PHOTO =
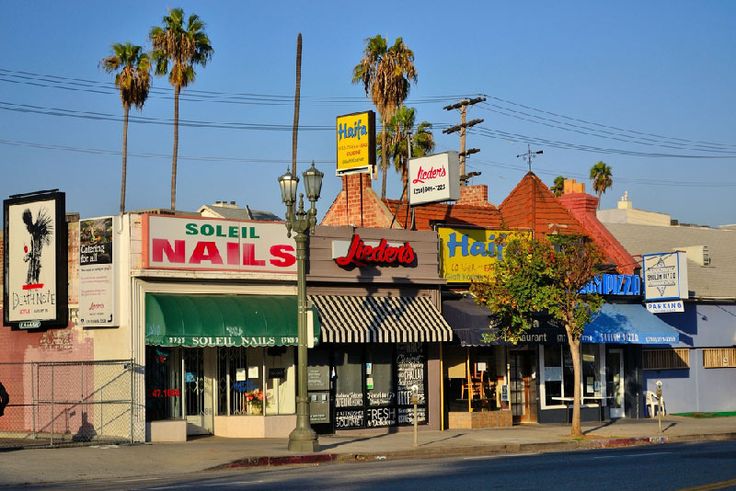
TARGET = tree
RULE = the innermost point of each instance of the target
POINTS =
(133, 79)
(398, 131)
(544, 276)
(386, 74)
(602, 179)
(558, 188)
(183, 47)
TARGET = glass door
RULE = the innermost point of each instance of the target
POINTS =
(615, 382)
(522, 394)
(197, 388)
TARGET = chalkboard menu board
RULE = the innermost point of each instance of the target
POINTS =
(383, 416)
(410, 372)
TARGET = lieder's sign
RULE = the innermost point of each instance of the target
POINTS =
(360, 253)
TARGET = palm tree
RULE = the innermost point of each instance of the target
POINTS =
(386, 74)
(602, 179)
(133, 79)
(183, 47)
(399, 130)
(558, 188)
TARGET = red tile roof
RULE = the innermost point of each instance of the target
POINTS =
(425, 216)
(532, 205)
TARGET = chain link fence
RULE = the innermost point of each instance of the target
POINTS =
(68, 403)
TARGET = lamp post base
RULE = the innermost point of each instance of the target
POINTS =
(303, 440)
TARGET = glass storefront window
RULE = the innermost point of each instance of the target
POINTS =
(559, 375)
(163, 383)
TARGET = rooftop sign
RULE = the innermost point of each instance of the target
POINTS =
(355, 135)
(434, 178)
(665, 276)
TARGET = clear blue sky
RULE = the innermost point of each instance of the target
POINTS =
(647, 87)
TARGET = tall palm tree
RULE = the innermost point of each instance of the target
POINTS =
(133, 78)
(399, 130)
(386, 74)
(558, 187)
(602, 179)
(183, 46)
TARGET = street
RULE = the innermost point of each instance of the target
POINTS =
(708, 465)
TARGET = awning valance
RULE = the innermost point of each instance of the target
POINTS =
(360, 319)
(628, 324)
(223, 320)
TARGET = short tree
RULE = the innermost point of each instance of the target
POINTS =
(544, 276)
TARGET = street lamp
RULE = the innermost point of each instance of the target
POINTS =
(301, 222)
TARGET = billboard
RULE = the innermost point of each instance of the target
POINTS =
(98, 260)
(665, 276)
(468, 254)
(434, 178)
(188, 243)
(35, 261)
(355, 135)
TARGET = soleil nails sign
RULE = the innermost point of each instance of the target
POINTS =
(211, 244)
(434, 178)
(359, 253)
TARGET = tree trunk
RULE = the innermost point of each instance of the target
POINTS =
(124, 172)
(384, 164)
(177, 90)
(574, 344)
(295, 126)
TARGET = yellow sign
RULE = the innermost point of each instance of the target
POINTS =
(356, 142)
(468, 254)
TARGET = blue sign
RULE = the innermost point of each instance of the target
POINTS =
(614, 284)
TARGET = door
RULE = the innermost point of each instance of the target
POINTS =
(523, 392)
(198, 397)
(615, 382)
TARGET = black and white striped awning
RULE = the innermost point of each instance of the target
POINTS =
(353, 319)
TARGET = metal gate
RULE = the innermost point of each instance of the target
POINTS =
(64, 403)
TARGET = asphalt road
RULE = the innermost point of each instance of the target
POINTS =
(693, 466)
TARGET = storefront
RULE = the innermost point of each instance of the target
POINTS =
(216, 309)
(377, 293)
(539, 368)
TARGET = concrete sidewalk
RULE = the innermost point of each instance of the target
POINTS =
(103, 462)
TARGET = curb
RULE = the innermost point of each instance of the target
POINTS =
(466, 451)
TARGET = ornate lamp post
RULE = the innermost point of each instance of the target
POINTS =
(301, 222)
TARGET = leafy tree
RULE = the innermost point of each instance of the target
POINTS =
(181, 46)
(544, 276)
(558, 188)
(602, 179)
(132, 67)
(386, 74)
(398, 130)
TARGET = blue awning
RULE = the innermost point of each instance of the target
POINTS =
(628, 324)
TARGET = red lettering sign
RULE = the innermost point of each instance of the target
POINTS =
(361, 254)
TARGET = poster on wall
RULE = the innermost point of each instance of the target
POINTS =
(98, 306)
(468, 253)
(35, 261)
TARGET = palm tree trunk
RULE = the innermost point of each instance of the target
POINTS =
(295, 127)
(384, 164)
(124, 173)
(576, 429)
(177, 90)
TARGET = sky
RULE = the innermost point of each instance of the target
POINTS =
(646, 87)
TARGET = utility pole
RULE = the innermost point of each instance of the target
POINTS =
(529, 155)
(462, 127)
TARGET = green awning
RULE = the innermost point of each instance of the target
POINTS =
(223, 320)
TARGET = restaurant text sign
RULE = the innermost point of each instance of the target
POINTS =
(360, 253)
(468, 254)
(434, 178)
(212, 244)
(355, 136)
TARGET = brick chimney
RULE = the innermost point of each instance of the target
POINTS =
(476, 195)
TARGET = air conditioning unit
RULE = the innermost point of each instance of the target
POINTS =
(699, 254)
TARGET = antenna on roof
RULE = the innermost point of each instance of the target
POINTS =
(529, 155)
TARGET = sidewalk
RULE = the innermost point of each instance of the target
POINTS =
(103, 462)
